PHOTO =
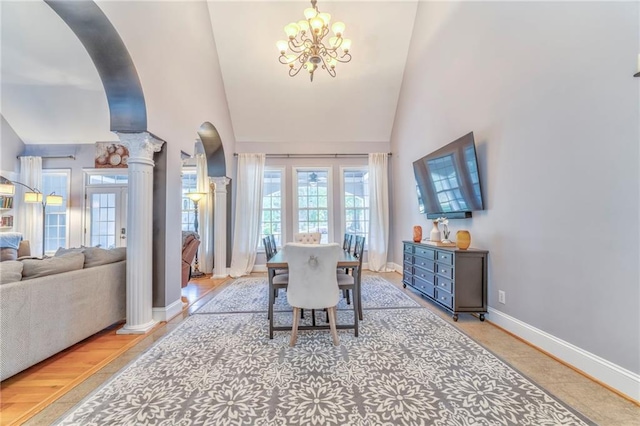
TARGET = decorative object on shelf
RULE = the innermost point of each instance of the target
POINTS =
(111, 155)
(434, 235)
(306, 46)
(445, 229)
(417, 234)
(463, 239)
(196, 197)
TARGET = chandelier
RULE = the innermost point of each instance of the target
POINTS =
(306, 46)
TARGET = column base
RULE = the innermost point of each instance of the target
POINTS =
(137, 329)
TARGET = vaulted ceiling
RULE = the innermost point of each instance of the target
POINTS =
(52, 93)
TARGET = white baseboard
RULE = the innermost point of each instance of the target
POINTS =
(168, 312)
(605, 371)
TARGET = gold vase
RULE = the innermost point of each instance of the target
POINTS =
(463, 239)
(417, 234)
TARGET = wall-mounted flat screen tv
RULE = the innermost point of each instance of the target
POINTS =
(448, 182)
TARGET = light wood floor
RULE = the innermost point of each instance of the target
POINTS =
(583, 394)
(27, 393)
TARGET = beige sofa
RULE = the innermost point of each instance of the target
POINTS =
(41, 316)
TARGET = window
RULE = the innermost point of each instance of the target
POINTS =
(189, 184)
(355, 184)
(313, 199)
(55, 220)
(272, 206)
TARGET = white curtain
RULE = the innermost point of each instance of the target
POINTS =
(248, 210)
(205, 216)
(29, 215)
(378, 211)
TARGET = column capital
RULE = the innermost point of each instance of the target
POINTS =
(220, 183)
(141, 146)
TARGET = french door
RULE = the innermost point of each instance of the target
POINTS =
(106, 216)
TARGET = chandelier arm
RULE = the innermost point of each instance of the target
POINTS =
(331, 71)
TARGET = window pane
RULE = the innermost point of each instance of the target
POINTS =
(356, 201)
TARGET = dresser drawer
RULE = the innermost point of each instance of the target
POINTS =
(444, 298)
(408, 268)
(424, 253)
(444, 270)
(445, 257)
(423, 275)
(424, 263)
(444, 284)
(423, 286)
(408, 258)
(408, 248)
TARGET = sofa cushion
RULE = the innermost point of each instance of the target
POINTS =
(10, 271)
(34, 268)
(96, 256)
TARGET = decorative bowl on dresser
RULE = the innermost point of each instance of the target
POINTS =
(455, 279)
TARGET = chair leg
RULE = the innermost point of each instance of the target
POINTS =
(294, 328)
(332, 324)
(348, 296)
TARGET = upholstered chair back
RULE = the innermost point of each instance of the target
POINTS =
(312, 275)
(307, 238)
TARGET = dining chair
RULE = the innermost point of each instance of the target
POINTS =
(308, 237)
(348, 282)
(312, 282)
(347, 241)
(272, 240)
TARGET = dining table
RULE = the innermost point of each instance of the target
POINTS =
(346, 260)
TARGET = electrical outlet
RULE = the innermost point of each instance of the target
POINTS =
(502, 297)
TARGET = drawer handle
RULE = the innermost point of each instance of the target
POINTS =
(442, 284)
(422, 275)
(422, 263)
(443, 257)
(442, 298)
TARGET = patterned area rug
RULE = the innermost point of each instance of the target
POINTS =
(408, 367)
(251, 295)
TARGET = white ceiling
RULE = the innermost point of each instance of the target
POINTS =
(51, 92)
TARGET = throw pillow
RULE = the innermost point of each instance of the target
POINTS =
(34, 268)
(96, 256)
(62, 251)
(10, 271)
(8, 253)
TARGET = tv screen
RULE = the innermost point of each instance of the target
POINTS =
(448, 182)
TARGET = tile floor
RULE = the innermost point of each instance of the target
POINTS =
(604, 407)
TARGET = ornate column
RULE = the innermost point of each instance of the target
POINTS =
(141, 147)
(220, 226)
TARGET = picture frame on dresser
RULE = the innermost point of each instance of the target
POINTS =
(454, 279)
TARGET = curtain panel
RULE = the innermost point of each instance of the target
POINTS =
(250, 174)
(205, 215)
(29, 215)
(379, 211)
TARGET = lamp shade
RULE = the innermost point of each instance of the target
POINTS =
(32, 197)
(54, 200)
(7, 189)
(195, 196)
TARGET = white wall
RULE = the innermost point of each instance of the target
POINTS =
(547, 88)
(10, 147)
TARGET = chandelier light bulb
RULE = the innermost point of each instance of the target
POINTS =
(332, 63)
(304, 25)
(326, 18)
(338, 28)
(346, 44)
(310, 12)
(316, 24)
(292, 30)
(282, 46)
